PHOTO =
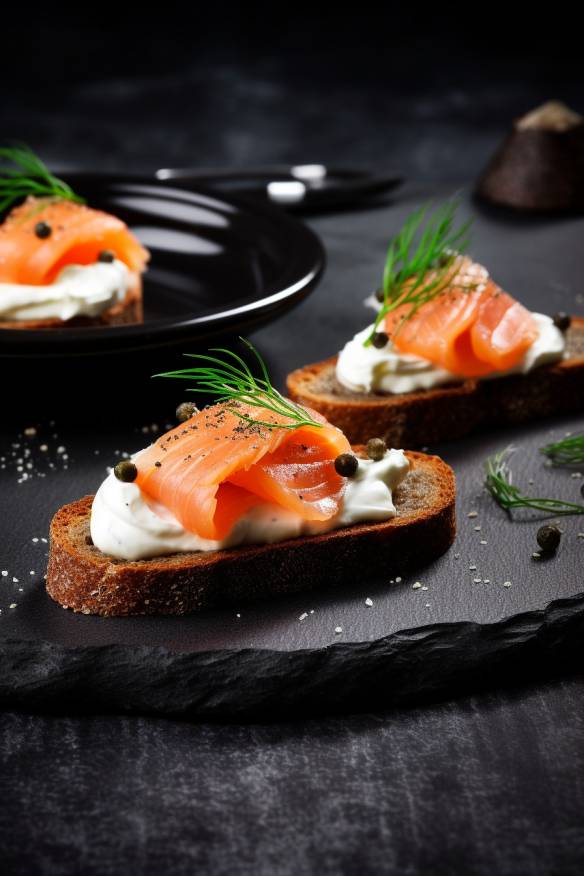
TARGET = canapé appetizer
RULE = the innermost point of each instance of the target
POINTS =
(448, 351)
(62, 263)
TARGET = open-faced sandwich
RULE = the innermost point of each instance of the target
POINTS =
(251, 496)
(62, 263)
(448, 351)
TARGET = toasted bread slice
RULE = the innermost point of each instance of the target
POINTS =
(414, 419)
(82, 578)
(125, 312)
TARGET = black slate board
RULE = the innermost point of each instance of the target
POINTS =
(261, 658)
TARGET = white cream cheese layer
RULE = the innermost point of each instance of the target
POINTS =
(125, 526)
(368, 369)
(78, 290)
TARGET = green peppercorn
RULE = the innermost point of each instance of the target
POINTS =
(548, 538)
(185, 411)
(43, 230)
(380, 295)
(562, 320)
(379, 340)
(376, 448)
(106, 255)
(346, 465)
(126, 471)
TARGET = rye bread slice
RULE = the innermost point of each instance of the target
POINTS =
(126, 312)
(82, 578)
(448, 412)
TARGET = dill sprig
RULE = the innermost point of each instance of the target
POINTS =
(498, 481)
(233, 383)
(569, 451)
(421, 261)
(22, 173)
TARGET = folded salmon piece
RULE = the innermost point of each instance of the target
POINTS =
(472, 329)
(77, 236)
(210, 470)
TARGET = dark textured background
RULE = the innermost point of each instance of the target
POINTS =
(492, 784)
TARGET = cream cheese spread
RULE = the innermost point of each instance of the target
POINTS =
(78, 290)
(126, 526)
(368, 369)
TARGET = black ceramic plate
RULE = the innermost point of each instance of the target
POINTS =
(217, 265)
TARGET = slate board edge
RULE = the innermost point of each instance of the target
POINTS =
(402, 668)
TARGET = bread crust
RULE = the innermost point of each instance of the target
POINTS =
(80, 577)
(449, 412)
(125, 312)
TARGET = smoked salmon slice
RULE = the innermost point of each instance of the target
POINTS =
(77, 235)
(216, 466)
(471, 329)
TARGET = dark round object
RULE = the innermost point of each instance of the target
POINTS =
(219, 266)
(126, 471)
(43, 230)
(376, 448)
(562, 320)
(380, 340)
(185, 411)
(582, 490)
(346, 465)
(380, 295)
(548, 538)
(106, 255)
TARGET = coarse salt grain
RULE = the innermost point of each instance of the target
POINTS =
(483, 541)
(338, 630)
(473, 514)
(398, 580)
(416, 585)
(30, 432)
(303, 616)
(369, 601)
(506, 583)
(12, 605)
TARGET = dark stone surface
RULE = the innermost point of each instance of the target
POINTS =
(491, 784)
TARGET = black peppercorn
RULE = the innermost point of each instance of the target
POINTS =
(106, 255)
(548, 538)
(185, 411)
(43, 230)
(379, 340)
(346, 465)
(376, 448)
(562, 321)
(126, 471)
